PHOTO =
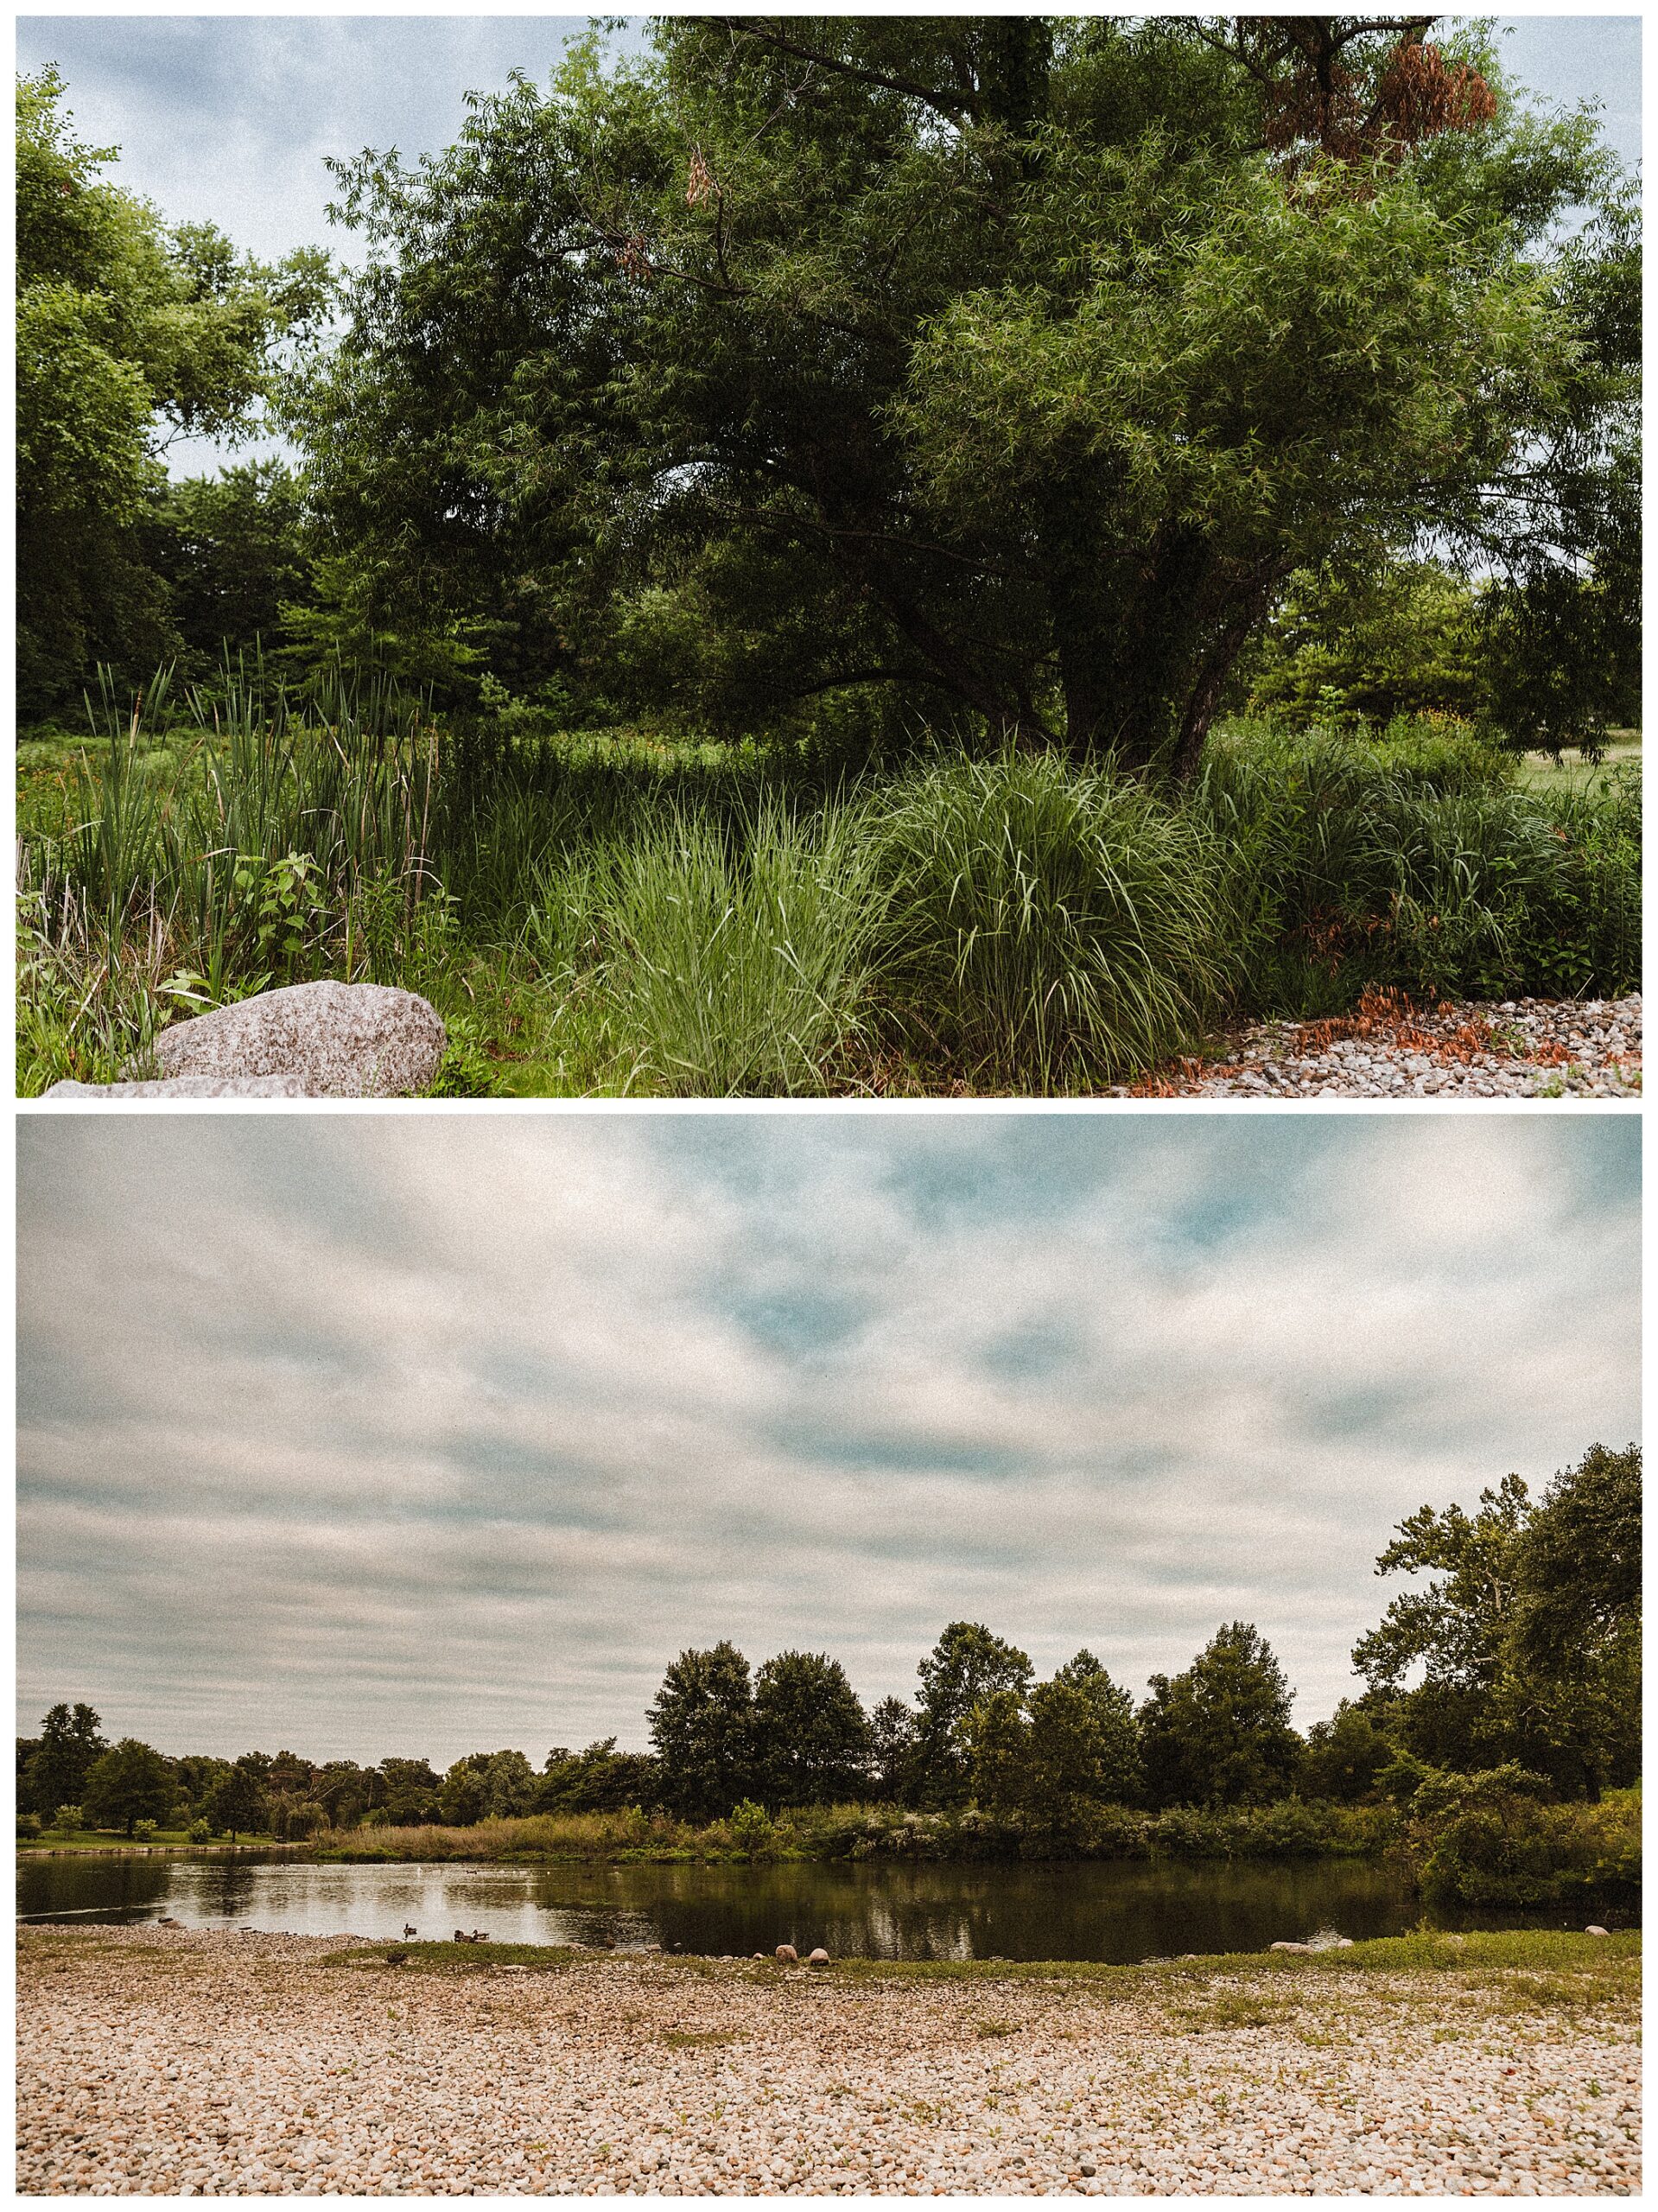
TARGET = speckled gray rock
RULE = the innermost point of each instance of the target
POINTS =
(187, 1086)
(334, 1040)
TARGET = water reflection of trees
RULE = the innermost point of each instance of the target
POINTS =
(1118, 1911)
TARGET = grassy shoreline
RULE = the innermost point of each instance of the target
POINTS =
(1601, 1959)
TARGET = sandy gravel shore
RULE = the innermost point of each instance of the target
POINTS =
(159, 2063)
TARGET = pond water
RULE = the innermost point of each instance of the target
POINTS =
(1107, 1910)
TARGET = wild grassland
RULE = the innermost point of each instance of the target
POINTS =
(603, 912)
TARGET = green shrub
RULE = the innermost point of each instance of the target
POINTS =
(1417, 859)
(28, 1826)
(68, 1820)
(145, 1831)
(1496, 1838)
(199, 1831)
(1047, 925)
(752, 1829)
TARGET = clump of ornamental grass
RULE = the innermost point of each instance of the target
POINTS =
(1048, 926)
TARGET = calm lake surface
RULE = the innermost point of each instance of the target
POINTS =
(1114, 1911)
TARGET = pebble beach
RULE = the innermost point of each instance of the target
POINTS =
(162, 2061)
(1523, 1048)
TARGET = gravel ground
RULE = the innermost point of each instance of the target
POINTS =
(1524, 1048)
(154, 2062)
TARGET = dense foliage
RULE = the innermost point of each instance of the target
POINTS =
(608, 914)
(129, 331)
(1525, 1647)
(1011, 366)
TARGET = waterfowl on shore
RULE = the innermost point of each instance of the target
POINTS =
(408, 1930)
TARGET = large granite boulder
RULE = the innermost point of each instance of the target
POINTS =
(187, 1086)
(336, 1040)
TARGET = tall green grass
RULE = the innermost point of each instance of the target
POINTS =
(606, 913)
(1429, 864)
(1047, 926)
(730, 958)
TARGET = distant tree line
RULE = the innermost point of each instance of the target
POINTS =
(1518, 1648)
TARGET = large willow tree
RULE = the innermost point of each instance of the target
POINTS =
(1011, 362)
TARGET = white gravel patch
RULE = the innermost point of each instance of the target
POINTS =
(1523, 1048)
(250, 2065)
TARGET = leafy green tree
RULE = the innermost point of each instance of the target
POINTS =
(1525, 1648)
(1450, 1633)
(1119, 1775)
(463, 1794)
(232, 551)
(63, 1756)
(130, 1783)
(1010, 364)
(965, 1669)
(1579, 1579)
(1048, 1760)
(195, 1774)
(893, 1736)
(511, 1782)
(407, 1793)
(236, 1803)
(1220, 1734)
(344, 1791)
(998, 1754)
(128, 332)
(1346, 1755)
(811, 1736)
(600, 1779)
(1560, 624)
(702, 1730)
(1400, 638)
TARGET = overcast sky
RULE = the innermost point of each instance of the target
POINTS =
(229, 118)
(422, 1435)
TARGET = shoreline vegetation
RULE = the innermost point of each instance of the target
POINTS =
(1550, 1854)
(1502, 2064)
(1563, 1852)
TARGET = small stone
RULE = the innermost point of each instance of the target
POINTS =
(787, 1953)
(818, 1958)
(1595, 1929)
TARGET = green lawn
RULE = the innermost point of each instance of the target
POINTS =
(1572, 773)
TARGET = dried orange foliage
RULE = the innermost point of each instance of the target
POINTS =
(1386, 1015)
(1171, 1079)
(699, 185)
(1383, 1016)
(1320, 103)
(1420, 97)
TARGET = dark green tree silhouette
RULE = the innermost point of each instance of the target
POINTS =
(703, 1729)
(1220, 1734)
(810, 1735)
(130, 1783)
